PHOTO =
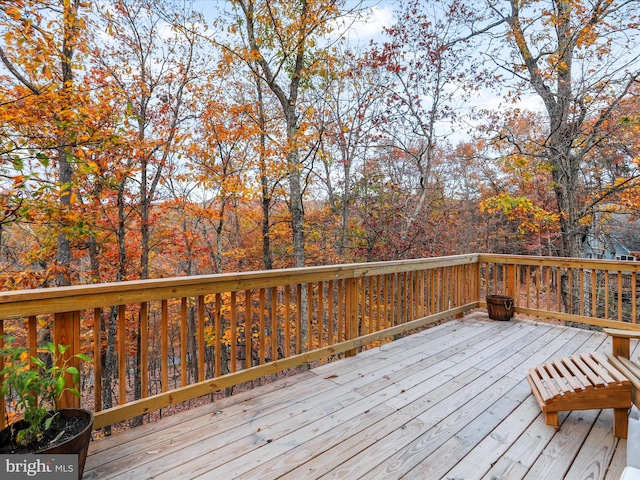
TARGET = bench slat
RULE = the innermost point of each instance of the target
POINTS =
(593, 378)
(548, 382)
(540, 390)
(558, 378)
(597, 369)
(567, 375)
(577, 372)
(614, 372)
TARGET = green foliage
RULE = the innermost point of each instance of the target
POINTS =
(36, 386)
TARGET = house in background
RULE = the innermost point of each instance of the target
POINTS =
(613, 236)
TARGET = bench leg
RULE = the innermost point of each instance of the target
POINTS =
(620, 422)
(551, 418)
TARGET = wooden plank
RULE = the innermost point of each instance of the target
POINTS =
(521, 454)
(321, 401)
(623, 365)
(579, 374)
(450, 453)
(591, 375)
(615, 374)
(618, 461)
(557, 456)
(557, 377)
(398, 402)
(565, 373)
(492, 447)
(554, 389)
(597, 368)
(538, 388)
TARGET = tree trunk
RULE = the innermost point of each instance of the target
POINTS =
(264, 182)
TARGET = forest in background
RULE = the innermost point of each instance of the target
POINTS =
(149, 139)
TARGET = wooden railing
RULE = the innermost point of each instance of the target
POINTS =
(601, 293)
(155, 343)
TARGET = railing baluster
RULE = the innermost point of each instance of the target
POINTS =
(309, 316)
(287, 320)
(32, 322)
(321, 330)
(144, 349)
(378, 303)
(274, 324)
(369, 317)
(263, 332)
(164, 345)
(351, 312)
(392, 299)
(201, 347)
(2, 405)
(581, 281)
(184, 374)
(606, 294)
(634, 300)
(234, 333)
(619, 296)
(248, 337)
(330, 320)
(122, 354)
(299, 318)
(97, 359)
(341, 328)
(594, 292)
(218, 335)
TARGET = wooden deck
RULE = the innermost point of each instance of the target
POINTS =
(450, 402)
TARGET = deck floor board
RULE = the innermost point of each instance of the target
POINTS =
(449, 402)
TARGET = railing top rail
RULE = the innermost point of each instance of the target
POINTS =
(611, 265)
(22, 303)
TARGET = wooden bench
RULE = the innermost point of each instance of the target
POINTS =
(581, 382)
(620, 358)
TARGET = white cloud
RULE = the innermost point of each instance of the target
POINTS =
(372, 25)
(367, 24)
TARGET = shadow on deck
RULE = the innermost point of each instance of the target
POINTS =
(449, 402)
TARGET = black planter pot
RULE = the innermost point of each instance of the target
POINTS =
(76, 445)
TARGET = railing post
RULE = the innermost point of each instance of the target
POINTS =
(351, 309)
(66, 331)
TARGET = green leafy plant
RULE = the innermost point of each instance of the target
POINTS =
(35, 386)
